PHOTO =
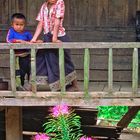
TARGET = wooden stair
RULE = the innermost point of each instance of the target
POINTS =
(33, 119)
(89, 127)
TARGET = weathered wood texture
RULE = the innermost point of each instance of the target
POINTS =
(85, 20)
(13, 118)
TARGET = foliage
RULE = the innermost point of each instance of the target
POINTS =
(63, 124)
(116, 113)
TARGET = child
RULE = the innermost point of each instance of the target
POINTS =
(17, 34)
(50, 18)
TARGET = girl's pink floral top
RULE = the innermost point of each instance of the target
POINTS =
(48, 17)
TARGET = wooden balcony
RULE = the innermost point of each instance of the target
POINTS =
(93, 93)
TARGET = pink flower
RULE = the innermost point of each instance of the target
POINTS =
(86, 138)
(60, 110)
(41, 137)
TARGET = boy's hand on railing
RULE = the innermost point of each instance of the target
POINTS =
(20, 41)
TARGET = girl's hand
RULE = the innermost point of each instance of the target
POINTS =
(39, 41)
(33, 41)
(56, 41)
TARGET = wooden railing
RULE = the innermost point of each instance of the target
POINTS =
(84, 98)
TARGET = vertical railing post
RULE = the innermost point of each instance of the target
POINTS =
(12, 71)
(135, 71)
(110, 71)
(33, 70)
(62, 70)
(86, 72)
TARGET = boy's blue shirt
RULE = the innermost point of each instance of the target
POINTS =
(13, 35)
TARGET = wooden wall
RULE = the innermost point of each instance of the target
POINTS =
(85, 20)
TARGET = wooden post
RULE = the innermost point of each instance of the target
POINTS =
(62, 70)
(12, 71)
(33, 70)
(13, 117)
(86, 72)
(127, 118)
(138, 4)
(135, 71)
(110, 71)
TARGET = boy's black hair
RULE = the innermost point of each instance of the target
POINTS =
(18, 15)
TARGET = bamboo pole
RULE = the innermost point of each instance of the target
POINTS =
(33, 70)
(86, 72)
(62, 70)
(12, 71)
(135, 71)
(110, 71)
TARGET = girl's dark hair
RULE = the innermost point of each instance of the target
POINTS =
(18, 15)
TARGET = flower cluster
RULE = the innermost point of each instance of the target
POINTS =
(60, 110)
(86, 138)
(64, 123)
(41, 137)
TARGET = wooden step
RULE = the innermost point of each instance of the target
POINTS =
(88, 115)
(112, 133)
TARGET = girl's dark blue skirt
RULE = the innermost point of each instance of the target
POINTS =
(48, 65)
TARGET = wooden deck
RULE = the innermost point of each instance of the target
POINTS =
(98, 95)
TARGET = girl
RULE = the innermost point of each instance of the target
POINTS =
(50, 19)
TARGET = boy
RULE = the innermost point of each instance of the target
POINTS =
(18, 34)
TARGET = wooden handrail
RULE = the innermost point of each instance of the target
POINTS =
(72, 45)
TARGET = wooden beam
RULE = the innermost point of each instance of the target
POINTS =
(46, 94)
(92, 102)
(73, 45)
(128, 117)
(13, 123)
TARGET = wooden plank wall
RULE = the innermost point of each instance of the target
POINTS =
(85, 20)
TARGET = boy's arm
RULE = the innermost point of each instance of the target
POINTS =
(10, 37)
